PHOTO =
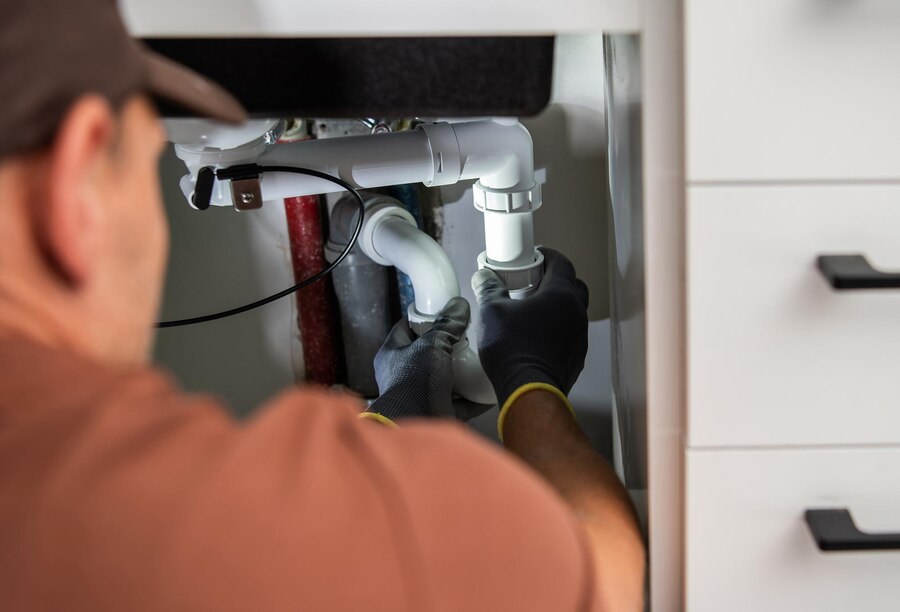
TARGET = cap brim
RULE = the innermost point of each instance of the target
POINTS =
(187, 89)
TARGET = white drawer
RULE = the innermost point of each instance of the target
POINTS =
(775, 356)
(748, 546)
(792, 89)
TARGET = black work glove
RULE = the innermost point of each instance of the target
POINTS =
(415, 375)
(540, 339)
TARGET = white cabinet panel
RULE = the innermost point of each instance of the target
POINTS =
(792, 89)
(775, 355)
(749, 548)
(255, 18)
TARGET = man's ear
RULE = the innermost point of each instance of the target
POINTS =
(70, 217)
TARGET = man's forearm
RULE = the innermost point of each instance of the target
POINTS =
(539, 429)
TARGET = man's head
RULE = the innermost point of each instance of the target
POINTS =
(83, 238)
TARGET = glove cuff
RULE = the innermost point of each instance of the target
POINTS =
(380, 418)
(535, 386)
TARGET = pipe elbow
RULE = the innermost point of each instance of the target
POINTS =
(391, 237)
(500, 155)
(516, 171)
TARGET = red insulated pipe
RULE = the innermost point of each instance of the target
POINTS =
(315, 317)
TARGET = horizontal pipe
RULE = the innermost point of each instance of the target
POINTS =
(367, 161)
(500, 155)
(497, 152)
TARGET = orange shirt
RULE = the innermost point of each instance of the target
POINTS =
(119, 492)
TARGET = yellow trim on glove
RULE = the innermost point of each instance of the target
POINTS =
(374, 416)
(522, 391)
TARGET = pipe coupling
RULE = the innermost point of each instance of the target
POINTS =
(445, 154)
(521, 281)
(505, 201)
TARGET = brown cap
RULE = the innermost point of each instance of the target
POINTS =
(53, 51)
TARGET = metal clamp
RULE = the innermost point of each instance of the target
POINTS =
(245, 186)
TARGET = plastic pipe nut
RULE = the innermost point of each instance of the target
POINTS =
(505, 201)
(519, 280)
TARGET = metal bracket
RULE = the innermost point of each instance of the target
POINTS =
(245, 190)
(246, 194)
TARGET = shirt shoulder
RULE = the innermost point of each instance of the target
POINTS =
(428, 515)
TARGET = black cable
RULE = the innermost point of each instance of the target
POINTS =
(225, 174)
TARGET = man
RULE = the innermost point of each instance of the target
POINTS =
(119, 492)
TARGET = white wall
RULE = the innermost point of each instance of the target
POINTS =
(221, 258)
(218, 259)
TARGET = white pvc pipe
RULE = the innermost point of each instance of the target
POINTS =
(509, 238)
(469, 379)
(499, 154)
(417, 255)
(397, 241)
(363, 161)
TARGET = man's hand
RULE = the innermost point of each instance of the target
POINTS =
(415, 375)
(541, 339)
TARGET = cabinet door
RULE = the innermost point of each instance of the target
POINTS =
(776, 356)
(792, 89)
(749, 547)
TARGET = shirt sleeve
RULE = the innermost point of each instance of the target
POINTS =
(308, 504)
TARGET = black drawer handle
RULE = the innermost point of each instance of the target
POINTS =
(855, 272)
(834, 529)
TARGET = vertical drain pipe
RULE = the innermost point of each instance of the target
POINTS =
(361, 287)
(499, 153)
(314, 313)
